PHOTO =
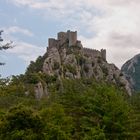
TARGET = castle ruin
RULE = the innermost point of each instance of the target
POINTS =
(70, 37)
(63, 37)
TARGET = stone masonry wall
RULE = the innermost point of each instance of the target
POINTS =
(71, 37)
(62, 37)
(52, 42)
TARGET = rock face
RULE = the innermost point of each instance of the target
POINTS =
(67, 58)
(132, 71)
(40, 91)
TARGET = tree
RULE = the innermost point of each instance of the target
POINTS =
(58, 126)
(21, 123)
(99, 111)
(4, 46)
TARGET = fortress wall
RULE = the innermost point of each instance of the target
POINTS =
(52, 42)
(92, 52)
(72, 38)
(62, 37)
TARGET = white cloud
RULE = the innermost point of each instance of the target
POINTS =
(23, 50)
(27, 51)
(114, 24)
(16, 29)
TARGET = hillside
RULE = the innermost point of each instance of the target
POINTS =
(67, 58)
(70, 93)
(131, 69)
(82, 110)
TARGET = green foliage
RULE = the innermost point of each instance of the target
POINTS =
(95, 133)
(58, 124)
(4, 46)
(135, 117)
(105, 71)
(56, 65)
(21, 123)
(80, 60)
(94, 106)
(37, 65)
(82, 110)
(70, 68)
(50, 78)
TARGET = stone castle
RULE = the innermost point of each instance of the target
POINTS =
(70, 37)
(67, 58)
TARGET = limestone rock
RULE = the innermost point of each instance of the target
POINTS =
(131, 69)
(67, 58)
(40, 91)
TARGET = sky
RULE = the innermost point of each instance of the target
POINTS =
(109, 24)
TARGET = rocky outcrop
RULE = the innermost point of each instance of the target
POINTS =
(40, 91)
(67, 58)
(131, 70)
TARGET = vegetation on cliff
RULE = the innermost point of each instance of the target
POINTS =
(70, 93)
(78, 109)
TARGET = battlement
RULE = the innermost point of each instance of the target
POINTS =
(95, 53)
(71, 38)
(52, 42)
(62, 37)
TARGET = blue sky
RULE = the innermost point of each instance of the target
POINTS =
(109, 24)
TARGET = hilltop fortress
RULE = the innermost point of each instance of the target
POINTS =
(70, 38)
(67, 58)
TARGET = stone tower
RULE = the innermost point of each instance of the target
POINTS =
(72, 37)
(63, 37)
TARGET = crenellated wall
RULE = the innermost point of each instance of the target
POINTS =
(52, 42)
(62, 37)
(92, 52)
(71, 38)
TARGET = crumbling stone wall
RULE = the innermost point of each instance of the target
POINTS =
(52, 43)
(71, 38)
(62, 37)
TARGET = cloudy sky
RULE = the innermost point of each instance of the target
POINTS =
(110, 24)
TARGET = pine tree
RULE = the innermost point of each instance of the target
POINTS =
(4, 46)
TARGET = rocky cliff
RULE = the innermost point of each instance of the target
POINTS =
(67, 58)
(132, 71)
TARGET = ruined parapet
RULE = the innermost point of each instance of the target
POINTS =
(62, 37)
(103, 54)
(95, 53)
(92, 52)
(52, 43)
(72, 37)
